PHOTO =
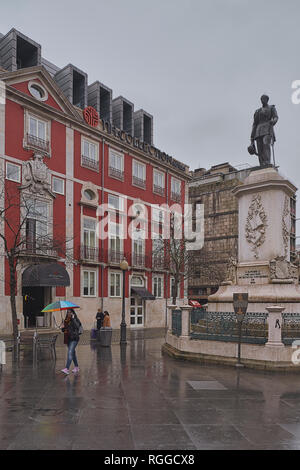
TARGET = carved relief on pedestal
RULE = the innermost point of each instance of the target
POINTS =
(256, 224)
(36, 176)
(286, 225)
(281, 269)
(231, 272)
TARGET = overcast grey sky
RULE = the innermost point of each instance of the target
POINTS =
(199, 66)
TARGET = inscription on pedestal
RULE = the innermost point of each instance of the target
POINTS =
(253, 276)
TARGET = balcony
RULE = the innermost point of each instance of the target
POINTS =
(116, 173)
(158, 263)
(36, 143)
(138, 261)
(138, 182)
(158, 190)
(175, 196)
(90, 254)
(38, 249)
(89, 163)
(115, 257)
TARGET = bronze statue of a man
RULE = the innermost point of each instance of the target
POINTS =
(262, 133)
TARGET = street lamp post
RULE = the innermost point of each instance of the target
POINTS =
(240, 304)
(124, 267)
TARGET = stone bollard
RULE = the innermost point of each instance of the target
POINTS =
(275, 325)
(185, 320)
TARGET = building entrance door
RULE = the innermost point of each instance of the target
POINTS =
(34, 300)
(136, 311)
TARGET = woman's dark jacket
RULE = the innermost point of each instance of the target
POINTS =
(71, 330)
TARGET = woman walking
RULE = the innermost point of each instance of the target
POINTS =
(71, 331)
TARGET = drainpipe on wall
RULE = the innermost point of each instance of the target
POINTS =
(167, 274)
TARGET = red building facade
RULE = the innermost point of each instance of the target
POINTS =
(64, 159)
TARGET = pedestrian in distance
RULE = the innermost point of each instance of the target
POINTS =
(106, 320)
(72, 329)
(99, 318)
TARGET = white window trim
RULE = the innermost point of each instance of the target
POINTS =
(119, 154)
(179, 182)
(90, 141)
(162, 286)
(83, 229)
(19, 173)
(96, 283)
(163, 176)
(121, 202)
(27, 115)
(109, 285)
(63, 182)
(39, 85)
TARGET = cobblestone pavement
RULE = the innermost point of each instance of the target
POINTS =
(138, 399)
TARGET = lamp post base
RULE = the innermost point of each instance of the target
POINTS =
(123, 334)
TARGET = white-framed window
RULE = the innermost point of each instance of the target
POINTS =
(89, 232)
(115, 237)
(58, 185)
(158, 287)
(116, 164)
(138, 174)
(115, 202)
(89, 283)
(37, 133)
(137, 281)
(89, 149)
(89, 154)
(13, 172)
(37, 128)
(38, 227)
(115, 282)
(158, 182)
(175, 186)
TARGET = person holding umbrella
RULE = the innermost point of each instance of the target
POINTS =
(72, 329)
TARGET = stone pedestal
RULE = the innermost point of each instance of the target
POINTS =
(275, 325)
(263, 268)
(185, 320)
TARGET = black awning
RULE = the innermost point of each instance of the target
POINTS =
(45, 275)
(142, 292)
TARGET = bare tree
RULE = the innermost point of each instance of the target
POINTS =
(25, 231)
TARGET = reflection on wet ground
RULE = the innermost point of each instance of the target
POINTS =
(135, 398)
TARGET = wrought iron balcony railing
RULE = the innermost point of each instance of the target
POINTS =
(138, 182)
(38, 248)
(90, 253)
(116, 173)
(89, 163)
(37, 143)
(138, 261)
(115, 257)
(158, 262)
(158, 190)
(175, 196)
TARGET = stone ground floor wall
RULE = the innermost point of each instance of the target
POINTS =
(154, 312)
(223, 352)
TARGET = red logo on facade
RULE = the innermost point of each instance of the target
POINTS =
(91, 116)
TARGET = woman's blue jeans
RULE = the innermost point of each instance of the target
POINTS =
(72, 354)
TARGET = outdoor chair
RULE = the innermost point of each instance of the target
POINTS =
(43, 342)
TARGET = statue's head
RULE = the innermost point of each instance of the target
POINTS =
(264, 99)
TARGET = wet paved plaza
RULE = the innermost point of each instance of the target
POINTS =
(139, 399)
